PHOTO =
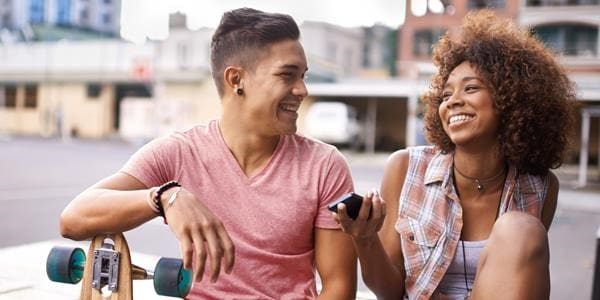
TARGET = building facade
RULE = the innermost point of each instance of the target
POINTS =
(102, 16)
(569, 27)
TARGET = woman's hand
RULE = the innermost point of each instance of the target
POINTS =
(369, 220)
(199, 233)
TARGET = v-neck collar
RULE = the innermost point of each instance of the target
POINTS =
(235, 166)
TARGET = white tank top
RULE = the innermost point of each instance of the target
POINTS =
(453, 283)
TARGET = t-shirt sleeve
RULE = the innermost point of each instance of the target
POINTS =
(336, 181)
(155, 163)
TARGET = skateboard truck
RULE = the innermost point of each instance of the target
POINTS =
(106, 268)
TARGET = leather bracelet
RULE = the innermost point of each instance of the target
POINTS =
(161, 189)
(150, 200)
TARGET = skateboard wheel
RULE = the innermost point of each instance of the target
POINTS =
(65, 264)
(171, 279)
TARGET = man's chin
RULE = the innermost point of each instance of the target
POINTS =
(289, 130)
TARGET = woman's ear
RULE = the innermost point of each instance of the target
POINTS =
(234, 80)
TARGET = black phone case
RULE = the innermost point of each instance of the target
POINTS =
(352, 201)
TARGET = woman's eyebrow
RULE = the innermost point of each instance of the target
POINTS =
(464, 79)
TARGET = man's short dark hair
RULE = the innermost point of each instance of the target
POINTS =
(242, 34)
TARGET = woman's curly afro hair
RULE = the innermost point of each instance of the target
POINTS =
(531, 91)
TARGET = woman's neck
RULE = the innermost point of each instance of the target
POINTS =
(478, 173)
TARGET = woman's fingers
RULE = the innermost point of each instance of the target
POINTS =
(365, 208)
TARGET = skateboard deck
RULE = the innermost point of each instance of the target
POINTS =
(107, 273)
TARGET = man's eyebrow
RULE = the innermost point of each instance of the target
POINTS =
(291, 66)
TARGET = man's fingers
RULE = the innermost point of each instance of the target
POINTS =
(200, 251)
(215, 250)
(228, 248)
(186, 252)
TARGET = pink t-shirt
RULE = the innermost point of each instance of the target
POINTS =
(270, 217)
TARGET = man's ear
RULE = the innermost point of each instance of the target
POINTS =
(233, 79)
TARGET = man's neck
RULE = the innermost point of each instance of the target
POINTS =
(251, 150)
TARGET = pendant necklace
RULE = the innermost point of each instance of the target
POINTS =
(479, 182)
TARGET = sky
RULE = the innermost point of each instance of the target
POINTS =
(149, 18)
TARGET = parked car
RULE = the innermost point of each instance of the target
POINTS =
(334, 123)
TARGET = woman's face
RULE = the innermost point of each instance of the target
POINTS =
(275, 89)
(467, 110)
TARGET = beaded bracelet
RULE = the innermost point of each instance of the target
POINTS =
(161, 189)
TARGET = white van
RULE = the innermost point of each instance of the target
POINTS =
(333, 123)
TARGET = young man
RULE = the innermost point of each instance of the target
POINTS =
(245, 186)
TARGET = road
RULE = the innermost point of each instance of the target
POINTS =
(39, 177)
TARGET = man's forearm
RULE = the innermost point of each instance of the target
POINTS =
(104, 211)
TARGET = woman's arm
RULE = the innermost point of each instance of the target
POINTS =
(550, 201)
(380, 255)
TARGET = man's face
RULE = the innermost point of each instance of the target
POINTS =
(275, 89)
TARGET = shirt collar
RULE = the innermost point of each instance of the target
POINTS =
(439, 168)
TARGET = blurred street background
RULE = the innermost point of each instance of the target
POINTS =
(84, 83)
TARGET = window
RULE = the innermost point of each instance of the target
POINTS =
(423, 41)
(36, 11)
(93, 90)
(570, 39)
(6, 21)
(561, 2)
(478, 4)
(10, 96)
(183, 59)
(31, 94)
(64, 9)
(106, 19)
(83, 15)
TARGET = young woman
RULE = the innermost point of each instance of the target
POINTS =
(468, 216)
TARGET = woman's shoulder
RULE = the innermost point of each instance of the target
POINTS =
(418, 153)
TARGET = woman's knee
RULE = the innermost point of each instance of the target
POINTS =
(522, 234)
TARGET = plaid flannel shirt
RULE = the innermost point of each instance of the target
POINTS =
(430, 216)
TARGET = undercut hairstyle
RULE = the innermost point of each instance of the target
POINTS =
(531, 92)
(243, 36)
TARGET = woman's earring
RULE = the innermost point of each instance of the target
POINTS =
(239, 91)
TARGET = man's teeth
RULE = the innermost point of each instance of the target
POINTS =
(460, 118)
(293, 108)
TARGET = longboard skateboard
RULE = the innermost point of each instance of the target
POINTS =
(108, 272)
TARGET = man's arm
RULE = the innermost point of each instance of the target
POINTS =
(336, 263)
(120, 203)
(115, 204)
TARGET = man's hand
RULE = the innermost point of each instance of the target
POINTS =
(200, 233)
(365, 226)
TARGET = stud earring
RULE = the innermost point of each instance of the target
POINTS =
(239, 91)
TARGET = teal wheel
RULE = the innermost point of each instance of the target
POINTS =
(171, 279)
(65, 264)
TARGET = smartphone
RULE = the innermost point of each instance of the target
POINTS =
(352, 201)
